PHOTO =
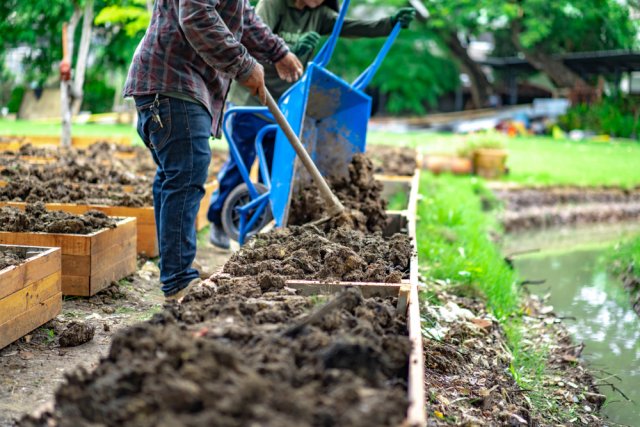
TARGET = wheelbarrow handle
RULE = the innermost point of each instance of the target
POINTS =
(324, 55)
(365, 78)
(334, 207)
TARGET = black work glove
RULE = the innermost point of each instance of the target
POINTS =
(404, 16)
(307, 43)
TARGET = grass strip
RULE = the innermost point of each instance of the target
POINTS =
(455, 245)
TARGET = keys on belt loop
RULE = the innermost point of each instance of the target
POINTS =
(155, 111)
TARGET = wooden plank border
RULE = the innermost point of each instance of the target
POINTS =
(30, 293)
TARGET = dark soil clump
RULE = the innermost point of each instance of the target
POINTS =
(76, 333)
(10, 258)
(340, 254)
(359, 192)
(36, 218)
(221, 358)
(389, 160)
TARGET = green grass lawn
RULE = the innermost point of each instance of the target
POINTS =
(540, 160)
(28, 127)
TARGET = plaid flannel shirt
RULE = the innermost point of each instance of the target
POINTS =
(196, 47)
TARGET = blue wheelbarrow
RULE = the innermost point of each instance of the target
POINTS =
(327, 114)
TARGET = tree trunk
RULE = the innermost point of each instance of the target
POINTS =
(83, 55)
(150, 5)
(481, 88)
(561, 75)
(66, 97)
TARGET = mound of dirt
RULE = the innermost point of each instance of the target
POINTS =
(30, 189)
(310, 253)
(10, 258)
(389, 160)
(223, 357)
(358, 192)
(523, 198)
(103, 173)
(36, 218)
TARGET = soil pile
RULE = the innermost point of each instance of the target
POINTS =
(222, 357)
(359, 191)
(36, 218)
(103, 173)
(523, 198)
(10, 258)
(531, 208)
(309, 253)
(389, 160)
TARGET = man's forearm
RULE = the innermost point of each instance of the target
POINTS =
(258, 38)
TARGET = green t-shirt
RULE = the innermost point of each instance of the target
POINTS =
(291, 23)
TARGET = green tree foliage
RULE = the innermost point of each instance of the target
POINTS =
(37, 24)
(415, 73)
(121, 23)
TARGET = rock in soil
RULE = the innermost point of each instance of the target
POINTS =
(9, 258)
(310, 253)
(390, 160)
(36, 218)
(221, 358)
(76, 333)
(359, 192)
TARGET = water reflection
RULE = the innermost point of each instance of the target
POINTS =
(604, 320)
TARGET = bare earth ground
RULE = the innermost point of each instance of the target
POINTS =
(32, 367)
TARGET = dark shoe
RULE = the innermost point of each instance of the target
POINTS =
(182, 292)
(218, 237)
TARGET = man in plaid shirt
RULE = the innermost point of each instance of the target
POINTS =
(179, 78)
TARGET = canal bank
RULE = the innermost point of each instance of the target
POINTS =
(568, 271)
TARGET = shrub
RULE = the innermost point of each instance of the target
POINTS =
(612, 116)
(98, 95)
(15, 99)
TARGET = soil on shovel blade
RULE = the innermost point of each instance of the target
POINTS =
(227, 356)
(9, 258)
(36, 218)
(360, 193)
(309, 253)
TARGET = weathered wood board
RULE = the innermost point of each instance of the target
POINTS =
(30, 293)
(90, 262)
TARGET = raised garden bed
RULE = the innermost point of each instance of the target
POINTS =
(146, 237)
(30, 289)
(104, 177)
(90, 262)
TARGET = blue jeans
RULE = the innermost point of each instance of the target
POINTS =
(179, 144)
(244, 128)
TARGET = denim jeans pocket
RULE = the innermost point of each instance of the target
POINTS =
(160, 127)
(157, 122)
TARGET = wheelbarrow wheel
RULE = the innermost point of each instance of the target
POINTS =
(231, 217)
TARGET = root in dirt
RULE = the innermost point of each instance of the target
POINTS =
(309, 253)
(36, 218)
(221, 358)
(360, 193)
